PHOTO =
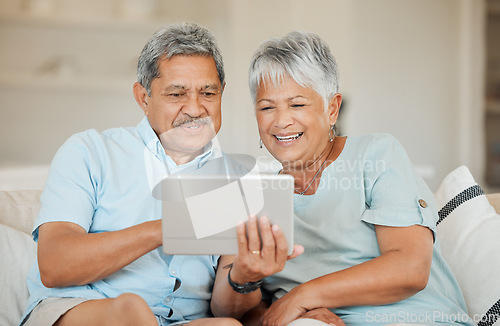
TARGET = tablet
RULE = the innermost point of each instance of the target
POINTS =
(200, 212)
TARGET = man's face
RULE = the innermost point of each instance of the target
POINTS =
(184, 108)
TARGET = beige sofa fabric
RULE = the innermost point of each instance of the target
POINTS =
(495, 201)
(18, 209)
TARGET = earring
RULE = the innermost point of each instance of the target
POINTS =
(260, 142)
(331, 133)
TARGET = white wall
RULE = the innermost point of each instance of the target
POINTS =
(412, 68)
(406, 68)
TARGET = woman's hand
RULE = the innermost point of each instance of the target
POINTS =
(286, 309)
(289, 307)
(260, 256)
(324, 315)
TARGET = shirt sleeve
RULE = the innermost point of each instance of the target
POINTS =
(395, 194)
(70, 191)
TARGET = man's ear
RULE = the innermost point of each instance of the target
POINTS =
(334, 108)
(141, 96)
(222, 88)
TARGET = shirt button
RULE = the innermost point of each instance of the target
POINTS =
(173, 272)
(167, 299)
(422, 203)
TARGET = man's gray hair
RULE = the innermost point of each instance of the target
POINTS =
(303, 56)
(182, 39)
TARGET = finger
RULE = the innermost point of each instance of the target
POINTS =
(242, 240)
(267, 238)
(297, 251)
(265, 317)
(281, 245)
(253, 234)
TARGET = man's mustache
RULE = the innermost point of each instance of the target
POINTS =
(201, 121)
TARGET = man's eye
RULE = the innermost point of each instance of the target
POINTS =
(175, 94)
(265, 108)
(208, 94)
(298, 105)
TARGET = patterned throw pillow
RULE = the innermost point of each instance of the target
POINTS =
(469, 229)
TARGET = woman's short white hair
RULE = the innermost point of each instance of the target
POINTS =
(303, 56)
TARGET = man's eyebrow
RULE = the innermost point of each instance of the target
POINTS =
(210, 87)
(176, 87)
(173, 88)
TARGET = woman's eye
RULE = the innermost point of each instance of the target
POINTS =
(298, 105)
(265, 108)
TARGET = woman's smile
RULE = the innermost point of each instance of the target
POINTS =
(288, 138)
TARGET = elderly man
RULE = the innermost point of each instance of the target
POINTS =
(99, 230)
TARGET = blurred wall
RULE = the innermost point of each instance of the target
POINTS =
(412, 68)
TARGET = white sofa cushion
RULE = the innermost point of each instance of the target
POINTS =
(17, 253)
(468, 230)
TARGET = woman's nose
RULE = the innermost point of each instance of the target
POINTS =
(284, 118)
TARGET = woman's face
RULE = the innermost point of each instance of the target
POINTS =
(293, 123)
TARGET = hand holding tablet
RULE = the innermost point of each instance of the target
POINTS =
(262, 251)
(201, 212)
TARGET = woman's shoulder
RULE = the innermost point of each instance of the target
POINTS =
(373, 143)
(373, 139)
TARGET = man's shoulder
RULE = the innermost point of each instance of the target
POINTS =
(92, 143)
(93, 136)
(375, 148)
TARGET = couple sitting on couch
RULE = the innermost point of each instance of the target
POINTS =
(367, 249)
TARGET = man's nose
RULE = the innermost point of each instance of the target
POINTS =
(193, 106)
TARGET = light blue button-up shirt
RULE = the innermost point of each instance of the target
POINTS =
(372, 182)
(103, 182)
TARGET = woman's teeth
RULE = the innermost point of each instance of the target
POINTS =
(289, 138)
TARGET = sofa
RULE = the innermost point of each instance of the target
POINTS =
(468, 230)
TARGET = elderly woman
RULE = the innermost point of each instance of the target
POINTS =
(366, 220)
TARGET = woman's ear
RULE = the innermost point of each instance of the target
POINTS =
(334, 108)
(141, 96)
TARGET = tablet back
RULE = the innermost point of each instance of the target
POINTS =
(200, 212)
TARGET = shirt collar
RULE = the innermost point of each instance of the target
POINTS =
(148, 135)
